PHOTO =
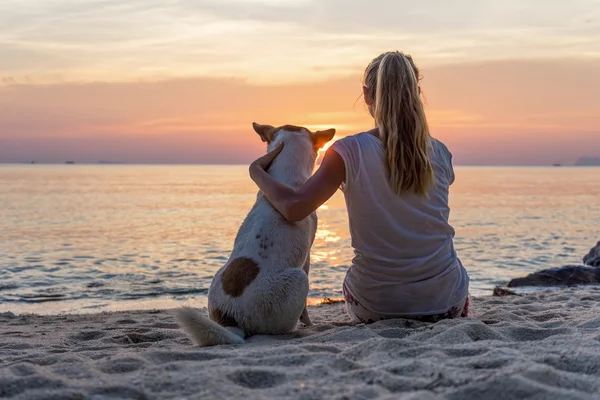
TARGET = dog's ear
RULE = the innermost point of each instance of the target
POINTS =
(265, 132)
(319, 138)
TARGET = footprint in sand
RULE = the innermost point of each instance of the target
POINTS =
(257, 379)
(87, 335)
(122, 365)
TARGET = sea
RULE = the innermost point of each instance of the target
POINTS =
(92, 238)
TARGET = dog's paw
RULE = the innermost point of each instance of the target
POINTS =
(304, 318)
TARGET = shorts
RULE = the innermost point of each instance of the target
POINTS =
(359, 313)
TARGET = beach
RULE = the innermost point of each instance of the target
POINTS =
(543, 345)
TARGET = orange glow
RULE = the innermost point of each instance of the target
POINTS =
(328, 145)
(507, 119)
(320, 301)
(327, 236)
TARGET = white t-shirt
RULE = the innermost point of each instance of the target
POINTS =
(405, 262)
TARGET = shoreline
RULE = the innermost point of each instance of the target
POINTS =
(51, 307)
(545, 344)
(122, 306)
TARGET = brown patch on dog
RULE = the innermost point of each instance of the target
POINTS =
(240, 273)
(221, 318)
(319, 138)
(267, 132)
(292, 128)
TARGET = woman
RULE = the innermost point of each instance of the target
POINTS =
(395, 180)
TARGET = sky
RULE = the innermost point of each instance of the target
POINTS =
(181, 81)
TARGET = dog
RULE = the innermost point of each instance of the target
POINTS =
(262, 289)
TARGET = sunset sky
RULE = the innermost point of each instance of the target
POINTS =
(181, 81)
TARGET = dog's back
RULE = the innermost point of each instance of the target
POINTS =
(262, 289)
(257, 287)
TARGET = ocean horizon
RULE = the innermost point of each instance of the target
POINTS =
(112, 163)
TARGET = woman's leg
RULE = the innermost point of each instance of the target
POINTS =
(356, 311)
(459, 311)
(465, 310)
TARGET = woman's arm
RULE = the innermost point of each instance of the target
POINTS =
(297, 204)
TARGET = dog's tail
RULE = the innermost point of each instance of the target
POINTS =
(205, 332)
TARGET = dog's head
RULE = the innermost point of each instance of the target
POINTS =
(269, 134)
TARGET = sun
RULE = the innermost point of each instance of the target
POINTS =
(321, 152)
(327, 145)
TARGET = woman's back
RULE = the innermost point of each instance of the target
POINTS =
(405, 263)
(395, 180)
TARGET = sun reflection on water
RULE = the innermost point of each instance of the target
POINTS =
(327, 236)
(317, 301)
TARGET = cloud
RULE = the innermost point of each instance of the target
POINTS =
(268, 41)
(8, 80)
(532, 112)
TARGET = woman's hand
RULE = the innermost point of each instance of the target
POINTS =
(295, 204)
(265, 161)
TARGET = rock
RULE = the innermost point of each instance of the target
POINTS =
(593, 257)
(587, 274)
(500, 291)
(563, 276)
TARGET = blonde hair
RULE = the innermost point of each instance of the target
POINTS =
(392, 81)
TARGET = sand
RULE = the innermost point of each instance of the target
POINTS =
(539, 346)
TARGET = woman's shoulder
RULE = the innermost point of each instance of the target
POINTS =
(440, 147)
(352, 146)
(443, 158)
(356, 138)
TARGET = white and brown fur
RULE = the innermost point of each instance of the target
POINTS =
(262, 288)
